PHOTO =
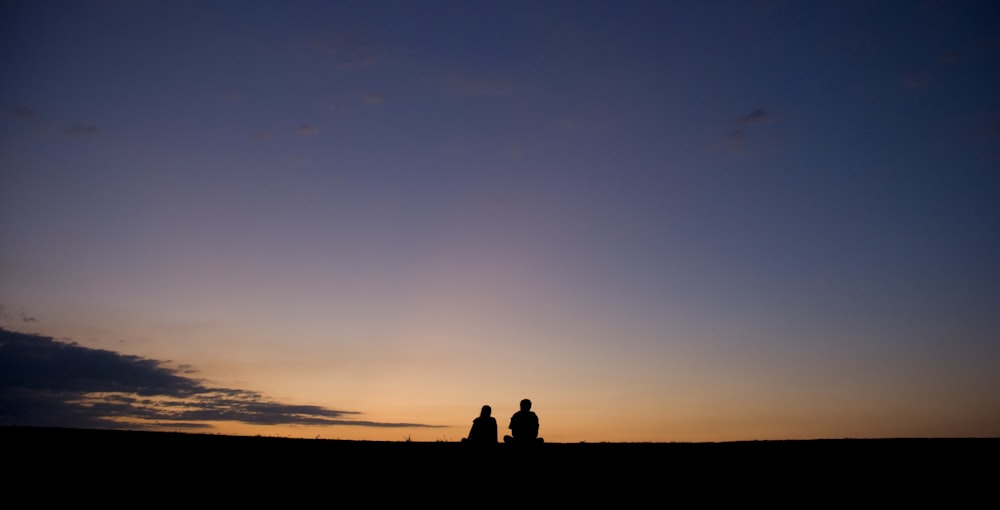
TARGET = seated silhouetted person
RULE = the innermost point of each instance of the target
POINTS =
(484, 429)
(523, 426)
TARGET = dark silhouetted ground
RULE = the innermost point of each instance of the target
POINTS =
(132, 468)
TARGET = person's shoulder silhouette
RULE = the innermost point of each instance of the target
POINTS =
(523, 426)
(484, 429)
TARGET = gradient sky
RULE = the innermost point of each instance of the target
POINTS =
(659, 221)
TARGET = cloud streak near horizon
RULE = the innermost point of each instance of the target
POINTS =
(49, 382)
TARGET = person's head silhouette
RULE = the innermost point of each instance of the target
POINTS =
(525, 405)
(485, 411)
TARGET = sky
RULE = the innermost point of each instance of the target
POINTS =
(658, 221)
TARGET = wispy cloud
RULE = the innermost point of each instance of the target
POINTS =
(738, 138)
(758, 116)
(45, 126)
(28, 117)
(48, 382)
(735, 139)
(573, 123)
(22, 317)
(23, 112)
(984, 133)
(349, 49)
(307, 130)
(372, 97)
(476, 85)
(82, 130)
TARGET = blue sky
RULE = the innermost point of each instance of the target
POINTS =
(660, 221)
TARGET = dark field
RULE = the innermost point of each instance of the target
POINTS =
(170, 469)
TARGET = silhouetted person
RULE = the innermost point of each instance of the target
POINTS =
(523, 426)
(484, 429)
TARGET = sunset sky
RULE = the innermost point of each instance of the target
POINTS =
(658, 220)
